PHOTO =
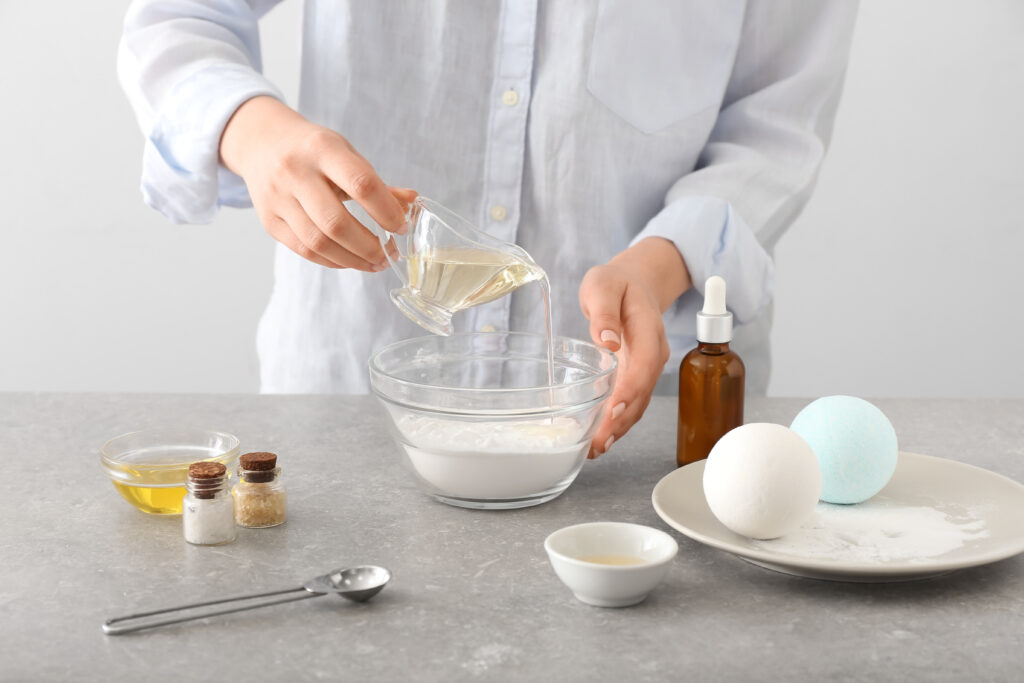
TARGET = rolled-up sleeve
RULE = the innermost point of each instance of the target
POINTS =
(761, 161)
(186, 67)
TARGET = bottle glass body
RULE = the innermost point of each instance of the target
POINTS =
(711, 384)
(207, 513)
(260, 499)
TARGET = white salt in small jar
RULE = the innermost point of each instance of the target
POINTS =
(208, 510)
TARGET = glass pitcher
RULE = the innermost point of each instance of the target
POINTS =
(448, 265)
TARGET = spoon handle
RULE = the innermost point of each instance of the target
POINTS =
(117, 626)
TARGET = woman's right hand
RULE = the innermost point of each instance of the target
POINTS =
(298, 175)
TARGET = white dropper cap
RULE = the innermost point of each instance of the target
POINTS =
(714, 322)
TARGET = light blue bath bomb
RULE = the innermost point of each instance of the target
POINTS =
(855, 444)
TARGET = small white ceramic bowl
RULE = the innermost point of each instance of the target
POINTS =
(590, 560)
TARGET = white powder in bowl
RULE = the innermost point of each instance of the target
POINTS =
(493, 460)
(882, 530)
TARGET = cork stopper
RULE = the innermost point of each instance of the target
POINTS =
(206, 470)
(206, 478)
(259, 460)
(258, 467)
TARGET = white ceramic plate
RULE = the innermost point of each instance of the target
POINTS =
(927, 491)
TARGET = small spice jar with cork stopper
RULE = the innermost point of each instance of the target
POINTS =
(260, 498)
(207, 511)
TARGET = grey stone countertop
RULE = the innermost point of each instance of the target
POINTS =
(473, 595)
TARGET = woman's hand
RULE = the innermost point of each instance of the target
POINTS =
(298, 175)
(624, 300)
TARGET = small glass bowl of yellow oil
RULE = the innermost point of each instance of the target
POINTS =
(149, 467)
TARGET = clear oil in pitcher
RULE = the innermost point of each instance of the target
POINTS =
(460, 277)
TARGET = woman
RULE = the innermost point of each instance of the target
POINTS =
(634, 149)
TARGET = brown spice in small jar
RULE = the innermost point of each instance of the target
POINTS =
(257, 509)
(260, 498)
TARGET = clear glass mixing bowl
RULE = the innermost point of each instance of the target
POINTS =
(476, 418)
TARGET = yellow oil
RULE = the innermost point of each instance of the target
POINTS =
(461, 277)
(153, 479)
(154, 500)
(617, 560)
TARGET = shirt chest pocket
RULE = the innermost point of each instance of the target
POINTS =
(655, 63)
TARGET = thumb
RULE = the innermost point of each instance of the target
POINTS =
(601, 296)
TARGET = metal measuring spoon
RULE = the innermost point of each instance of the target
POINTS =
(358, 584)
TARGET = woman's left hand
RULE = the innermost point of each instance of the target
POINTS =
(624, 300)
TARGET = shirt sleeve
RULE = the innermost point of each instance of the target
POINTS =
(186, 67)
(761, 161)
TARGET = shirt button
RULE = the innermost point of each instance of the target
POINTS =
(488, 328)
(499, 212)
(510, 97)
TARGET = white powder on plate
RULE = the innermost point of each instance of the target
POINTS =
(882, 530)
(493, 460)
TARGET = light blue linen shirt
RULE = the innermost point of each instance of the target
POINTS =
(571, 127)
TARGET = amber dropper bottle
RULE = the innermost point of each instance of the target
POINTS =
(711, 379)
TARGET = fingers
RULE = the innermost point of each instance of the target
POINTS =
(299, 186)
(601, 298)
(322, 205)
(620, 416)
(621, 413)
(357, 179)
(404, 195)
(647, 351)
(281, 232)
(314, 241)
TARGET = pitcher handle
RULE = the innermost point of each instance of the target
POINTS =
(384, 236)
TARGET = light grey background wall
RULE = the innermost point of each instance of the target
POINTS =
(902, 277)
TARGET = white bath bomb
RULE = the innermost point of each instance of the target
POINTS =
(855, 444)
(762, 480)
